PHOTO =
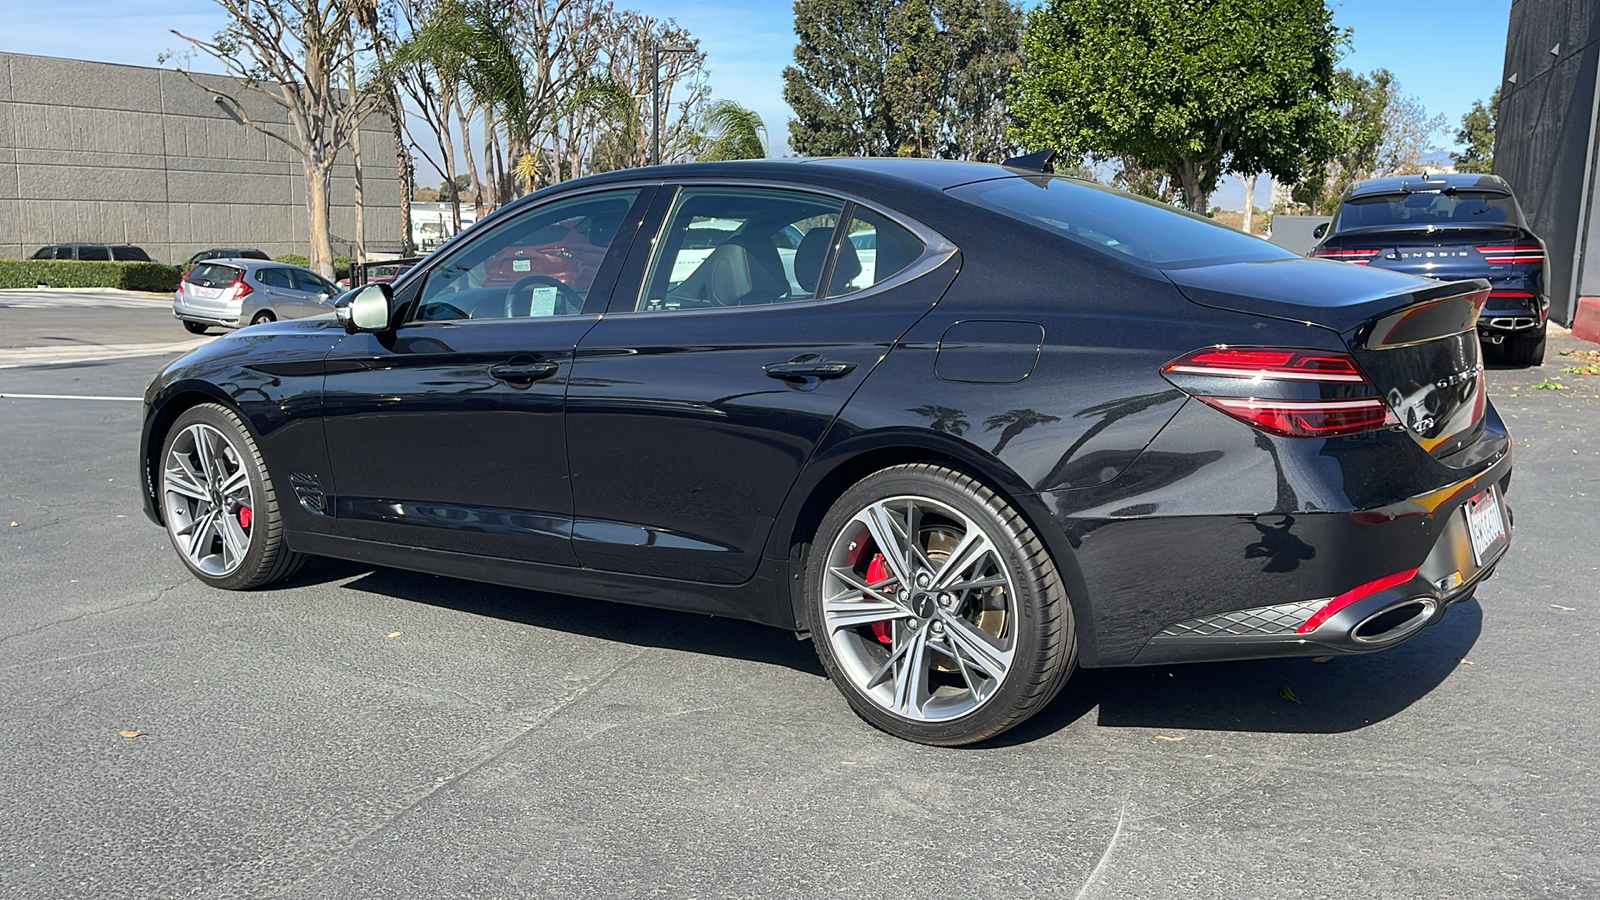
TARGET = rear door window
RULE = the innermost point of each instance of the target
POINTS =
(95, 252)
(727, 246)
(278, 278)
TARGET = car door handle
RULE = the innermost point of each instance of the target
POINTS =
(815, 367)
(523, 374)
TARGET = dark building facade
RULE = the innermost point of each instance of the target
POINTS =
(104, 153)
(1546, 137)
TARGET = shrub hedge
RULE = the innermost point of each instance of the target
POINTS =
(78, 273)
(341, 264)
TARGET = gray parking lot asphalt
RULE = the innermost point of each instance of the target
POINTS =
(367, 732)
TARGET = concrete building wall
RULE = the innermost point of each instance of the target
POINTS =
(124, 154)
(1546, 137)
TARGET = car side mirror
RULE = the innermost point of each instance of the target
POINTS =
(1319, 231)
(367, 309)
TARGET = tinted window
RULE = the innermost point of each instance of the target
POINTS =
(539, 263)
(1426, 208)
(129, 254)
(43, 253)
(309, 282)
(278, 278)
(63, 252)
(877, 249)
(251, 254)
(740, 247)
(1110, 220)
(206, 275)
(94, 251)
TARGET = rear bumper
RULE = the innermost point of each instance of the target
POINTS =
(1500, 320)
(186, 312)
(1383, 619)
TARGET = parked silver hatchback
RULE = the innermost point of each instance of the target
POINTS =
(231, 292)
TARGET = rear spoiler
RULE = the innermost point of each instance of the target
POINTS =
(1452, 309)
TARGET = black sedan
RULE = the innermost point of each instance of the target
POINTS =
(967, 426)
(1451, 227)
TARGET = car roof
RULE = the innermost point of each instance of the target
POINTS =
(1417, 182)
(881, 172)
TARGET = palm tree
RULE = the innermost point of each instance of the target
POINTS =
(736, 132)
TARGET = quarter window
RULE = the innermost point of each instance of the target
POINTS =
(540, 263)
(726, 247)
(874, 250)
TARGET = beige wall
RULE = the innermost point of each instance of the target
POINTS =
(124, 154)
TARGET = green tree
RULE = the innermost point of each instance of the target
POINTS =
(1382, 131)
(902, 77)
(1191, 90)
(734, 132)
(1477, 133)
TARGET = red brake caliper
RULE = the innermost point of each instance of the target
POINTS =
(877, 571)
(244, 517)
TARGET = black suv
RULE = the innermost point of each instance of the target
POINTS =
(118, 252)
(222, 253)
(1451, 227)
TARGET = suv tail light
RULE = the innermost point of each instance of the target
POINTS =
(1264, 387)
(1359, 256)
(1505, 254)
(240, 289)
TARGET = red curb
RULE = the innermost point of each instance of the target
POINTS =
(1586, 324)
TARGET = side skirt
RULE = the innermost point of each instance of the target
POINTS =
(756, 600)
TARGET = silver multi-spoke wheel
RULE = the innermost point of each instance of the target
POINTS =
(919, 608)
(207, 498)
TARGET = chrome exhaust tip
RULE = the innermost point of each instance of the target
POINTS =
(1395, 622)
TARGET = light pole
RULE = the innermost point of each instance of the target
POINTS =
(655, 96)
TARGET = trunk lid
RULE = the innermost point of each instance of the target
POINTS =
(1415, 339)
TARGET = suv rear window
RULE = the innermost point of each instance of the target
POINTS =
(1127, 225)
(212, 276)
(1445, 207)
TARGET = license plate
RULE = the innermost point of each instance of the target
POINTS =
(1484, 524)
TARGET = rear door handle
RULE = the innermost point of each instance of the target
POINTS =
(523, 374)
(815, 367)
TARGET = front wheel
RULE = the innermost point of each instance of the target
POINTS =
(218, 503)
(935, 609)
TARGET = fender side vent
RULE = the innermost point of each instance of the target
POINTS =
(309, 492)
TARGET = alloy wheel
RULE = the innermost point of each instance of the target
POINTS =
(208, 500)
(919, 608)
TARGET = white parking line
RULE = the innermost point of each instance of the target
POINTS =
(51, 356)
(7, 396)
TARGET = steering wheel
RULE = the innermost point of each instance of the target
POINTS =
(571, 303)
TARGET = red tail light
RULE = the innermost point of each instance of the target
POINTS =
(1240, 381)
(1505, 254)
(240, 289)
(1360, 256)
(1512, 295)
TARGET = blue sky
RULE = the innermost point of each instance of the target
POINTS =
(1446, 52)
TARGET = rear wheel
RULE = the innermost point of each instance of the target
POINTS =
(263, 316)
(194, 327)
(1525, 349)
(218, 503)
(935, 609)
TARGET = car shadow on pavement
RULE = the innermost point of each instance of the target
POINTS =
(1297, 696)
(1273, 695)
(638, 625)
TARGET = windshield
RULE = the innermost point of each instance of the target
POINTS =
(1113, 221)
(1446, 208)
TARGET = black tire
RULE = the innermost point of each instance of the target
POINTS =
(1036, 620)
(266, 557)
(195, 327)
(1525, 349)
(262, 317)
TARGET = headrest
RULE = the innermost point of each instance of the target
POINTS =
(809, 256)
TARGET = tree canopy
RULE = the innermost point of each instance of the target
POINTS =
(1477, 134)
(902, 77)
(1192, 90)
